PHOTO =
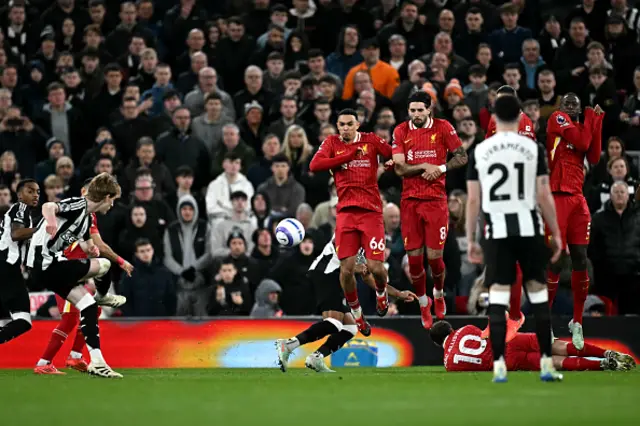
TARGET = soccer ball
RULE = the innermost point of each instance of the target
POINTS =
(289, 232)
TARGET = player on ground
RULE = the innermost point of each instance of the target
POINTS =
(466, 350)
(70, 314)
(420, 149)
(337, 320)
(352, 157)
(64, 223)
(516, 318)
(15, 229)
(508, 177)
(568, 143)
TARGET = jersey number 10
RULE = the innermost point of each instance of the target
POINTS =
(469, 355)
(493, 196)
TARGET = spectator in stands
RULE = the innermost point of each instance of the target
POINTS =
(150, 290)
(284, 191)
(188, 79)
(184, 185)
(288, 112)
(347, 54)
(295, 50)
(267, 297)
(602, 91)
(218, 198)
(630, 114)
(618, 170)
(472, 36)
(179, 147)
(252, 127)
(548, 99)
(236, 49)
(159, 213)
(53, 189)
(457, 205)
(391, 216)
(9, 174)
(273, 77)
(119, 39)
(442, 44)
(297, 149)
(145, 77)
(104, 144)
(19, 135)
(279, 17)
(551, 38)
(208, 84)
(231, 294)
(623, 50)
(417, 36)
(187, 256)
(531, 108)
(264, 251)
(513, 77)
(146, 157)
(384, 77)
(275, 43)
(570, 58)
(162, 86)
(208, 126)
(195, 43)
(476, 93)
(240, 221)
(60, 120)
(594, 15)
(261, 210)
(253, 91)
(131, 129)
(613, 249)
(70, 183)
(531, 61)
(44, 168)
(247, 267)
(5, 197)
(260, 171)
(138, 226)
(290, 272)
(506, 42)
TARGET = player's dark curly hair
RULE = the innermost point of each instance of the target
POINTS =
(349, 111)
(439, 331)
(23, 182)
(420, 96)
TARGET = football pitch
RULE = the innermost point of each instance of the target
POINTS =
(396, 396)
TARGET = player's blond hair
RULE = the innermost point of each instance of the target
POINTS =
(102, 186)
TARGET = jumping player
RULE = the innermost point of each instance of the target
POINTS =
(352, 157)
(568, 143)
(15, 229)
(420, 149)
(70, 314)
(466, 350)
(337, 320)
(515, 318)
(64, 223)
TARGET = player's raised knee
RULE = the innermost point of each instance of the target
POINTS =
(103, 266)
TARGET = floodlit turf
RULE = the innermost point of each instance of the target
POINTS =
(376, 397)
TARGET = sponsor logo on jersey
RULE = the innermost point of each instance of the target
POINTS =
(428, 153)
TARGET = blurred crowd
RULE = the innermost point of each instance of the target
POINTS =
(209, 113)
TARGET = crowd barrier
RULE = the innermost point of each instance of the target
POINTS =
(232, 342)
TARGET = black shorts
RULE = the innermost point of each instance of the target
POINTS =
(14, 295)
(61, 277)
(328, 292)
(501, 257)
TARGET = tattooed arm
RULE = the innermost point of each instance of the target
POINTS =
(458, 160)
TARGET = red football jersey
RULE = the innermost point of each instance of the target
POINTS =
(466, 350)
(74, 251)
(429, 144)
(356, 181)
(567, 146)
(525, 128)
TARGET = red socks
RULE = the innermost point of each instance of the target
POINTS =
(580, 364)
(580, 289)
(552, 285)
(515, 300)
(78, 342)
(67, 323)
(418, 275)
(437, 273)
(589, 350)
(352, 299)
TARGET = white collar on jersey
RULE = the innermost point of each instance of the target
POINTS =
(356, 139)
(427, 125)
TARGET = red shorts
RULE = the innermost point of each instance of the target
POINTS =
(424, 223)
(355, 228)
(574, 219)
(523, 353)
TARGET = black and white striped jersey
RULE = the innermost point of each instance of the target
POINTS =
(328, 261)
(74, 223)
(13, 251)
(507, 165)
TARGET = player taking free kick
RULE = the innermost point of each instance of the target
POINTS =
(568, 143)
(420, 148)
(352, 157)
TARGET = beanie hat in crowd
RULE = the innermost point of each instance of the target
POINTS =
(454, 87)
(236, 233)
(431, 90)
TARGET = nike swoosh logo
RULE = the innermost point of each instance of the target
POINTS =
(377, 252)
(408, 140)
(340, 152)
(441, 242)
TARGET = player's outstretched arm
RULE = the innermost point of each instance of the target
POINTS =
(108, 252)
(322, 161)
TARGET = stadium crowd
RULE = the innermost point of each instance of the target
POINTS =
(209, 113)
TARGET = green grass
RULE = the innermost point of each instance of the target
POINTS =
(385, 397)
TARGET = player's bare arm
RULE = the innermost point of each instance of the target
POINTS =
(20, 233)
(367, 277)
(548, 210)
(90, 248)
(407, 170)
(459, 159)
(108, 252)
(49, 212)
(473, 210)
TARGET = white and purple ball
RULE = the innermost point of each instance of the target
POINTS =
(289, 232)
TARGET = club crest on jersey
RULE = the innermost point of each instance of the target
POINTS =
(434, 137)
(365, 148)
(561, 120)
